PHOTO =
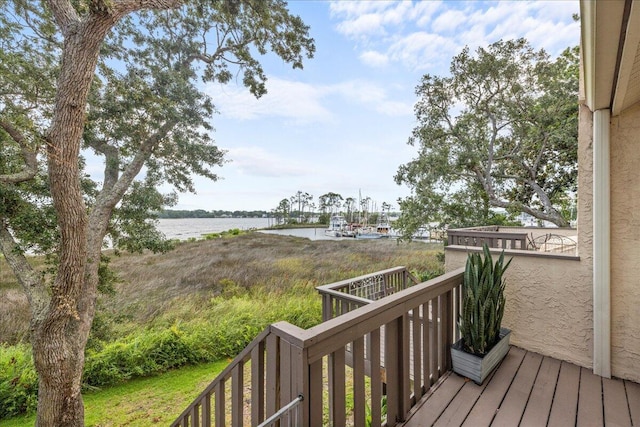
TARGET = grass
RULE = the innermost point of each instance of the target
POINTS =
(217, 294)
(144, 401)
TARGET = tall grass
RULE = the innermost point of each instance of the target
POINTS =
(204, 301)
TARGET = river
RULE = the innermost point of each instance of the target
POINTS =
(185, 228)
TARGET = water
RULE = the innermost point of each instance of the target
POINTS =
(185, 228)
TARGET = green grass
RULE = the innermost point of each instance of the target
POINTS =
(144, 401)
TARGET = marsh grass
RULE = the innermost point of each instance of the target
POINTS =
(205, 300)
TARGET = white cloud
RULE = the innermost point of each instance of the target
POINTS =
(289, 99)
(424, 35)
(372, 96)
(422, 50)
(449, 21)
(424, 11)
(302, 102)
(374, 59)
(364, 25)
(370, 18)
(257, 161)
(350, 9)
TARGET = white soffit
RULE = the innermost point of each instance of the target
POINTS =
(628, 87)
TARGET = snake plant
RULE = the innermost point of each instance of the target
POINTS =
(482, 301)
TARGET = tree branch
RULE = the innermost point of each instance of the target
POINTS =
(64, 14)
(29, 156)
(111, 194)
(121, 8)
(111, 163)
(29, 279)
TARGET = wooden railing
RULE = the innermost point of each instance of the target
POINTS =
(406, 337)
(344, 296)
(489, 235)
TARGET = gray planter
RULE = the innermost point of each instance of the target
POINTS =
(475, 367)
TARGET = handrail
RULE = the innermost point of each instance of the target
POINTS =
(400, 343)
(379, 312)
(283, 411)
(342, 283)
(493, 238)
(347, 295)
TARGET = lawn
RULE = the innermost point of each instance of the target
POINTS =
(144, 401)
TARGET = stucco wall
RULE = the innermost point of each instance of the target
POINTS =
(549, 302)
(625, 245)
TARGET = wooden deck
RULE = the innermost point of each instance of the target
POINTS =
(531, 390)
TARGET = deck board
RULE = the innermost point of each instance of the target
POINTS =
(633, 396)
(565, 401)
(528, 389)
(485, 408)
(590, 399)
(537, 411)
(438, 402)
(462, 403)
(616, 408)
(515, 401)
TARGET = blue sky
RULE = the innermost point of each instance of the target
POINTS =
(342, 124)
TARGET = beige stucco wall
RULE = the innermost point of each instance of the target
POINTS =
(625, 245)
(548, 305)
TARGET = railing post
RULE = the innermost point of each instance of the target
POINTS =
(393, 371)
(300, 384)
(327, 307)
(396, 361)
(257, 384)
(273, 375)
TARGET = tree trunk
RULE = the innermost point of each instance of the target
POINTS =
(59, 338)
(59, 360)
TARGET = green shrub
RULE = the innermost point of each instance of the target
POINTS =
(147, 353)
(18, 381)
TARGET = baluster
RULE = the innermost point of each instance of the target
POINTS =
(376, 384)
(337, 408)
(237, 398)
(314, 401)
(286, 394)
(206, 410)
(393, 371)
(416, 328)
(426, 345)
(195, 416)
(273, 375)
(359, 398)
(220, 403)
(257, 384)
(435, 362)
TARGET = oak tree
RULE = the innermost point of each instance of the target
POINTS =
(121, 82)
(499, 132)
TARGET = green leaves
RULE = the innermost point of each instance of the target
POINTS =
(482, 301)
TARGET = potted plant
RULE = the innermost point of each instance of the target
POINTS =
(483, 342)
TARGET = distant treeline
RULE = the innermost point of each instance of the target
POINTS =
(201, 213)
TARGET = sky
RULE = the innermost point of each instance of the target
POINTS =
(342, 123)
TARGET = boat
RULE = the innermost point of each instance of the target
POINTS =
(338, 227)
(368, 233)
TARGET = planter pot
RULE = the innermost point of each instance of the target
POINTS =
(475, 367)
